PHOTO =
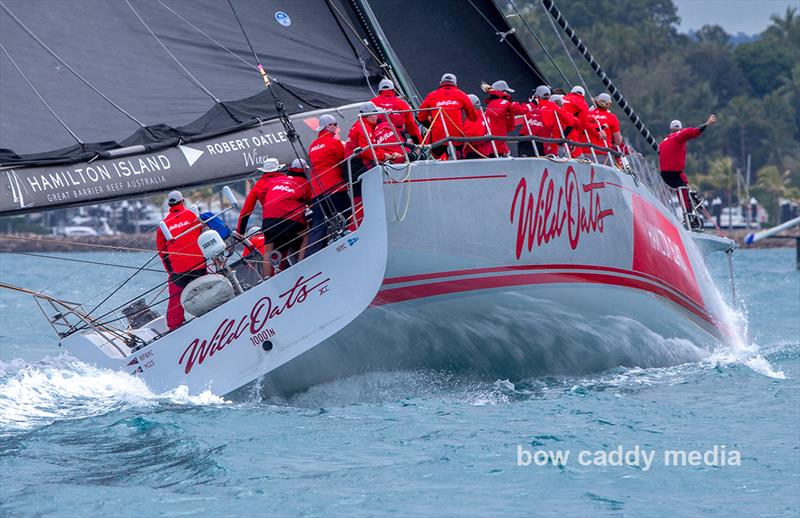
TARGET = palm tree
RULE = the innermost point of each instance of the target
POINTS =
(775, 184)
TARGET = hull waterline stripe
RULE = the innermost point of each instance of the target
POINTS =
(408, 293)
(526, 267)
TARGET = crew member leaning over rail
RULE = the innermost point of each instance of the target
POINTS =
(182, 258)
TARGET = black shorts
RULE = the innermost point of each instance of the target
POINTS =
(183, 279)
(282, 233)
(673, 179)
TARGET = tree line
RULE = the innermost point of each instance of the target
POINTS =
(753, 87)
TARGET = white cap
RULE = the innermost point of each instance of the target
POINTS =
(298, 163)
(449, 78)
(368, 107)
(501, 86)
(270, 165)
(604, 97)
(385, 84)
(578, 89)
(476, 102)
(174, 198)
(542, 91)
(325, 120)
(556, 98)
(676, 124)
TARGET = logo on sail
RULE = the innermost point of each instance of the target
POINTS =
(574, 207)
(283, 18)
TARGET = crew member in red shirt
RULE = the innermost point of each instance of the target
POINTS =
(445, 106)
(366, 130)
(328, 181)
(575, 104)
(283, 196)
(545, 119)
(501, 112)
(672, 151)
(183, 260)
(371, 128)
(477, 128)
(388, 100)
(607, 122)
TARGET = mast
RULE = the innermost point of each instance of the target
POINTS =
(551, 8)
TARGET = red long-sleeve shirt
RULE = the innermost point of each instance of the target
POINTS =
(389, 101)
(181, 254)
(501, 112)
(672, 150)
(327, 155)
(452, 102)
(281, 197)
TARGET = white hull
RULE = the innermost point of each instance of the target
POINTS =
(457, 297)
(505, 268)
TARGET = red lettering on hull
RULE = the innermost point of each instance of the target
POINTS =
(544, 218)
(262, 312)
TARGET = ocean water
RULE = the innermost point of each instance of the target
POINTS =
(722, 435)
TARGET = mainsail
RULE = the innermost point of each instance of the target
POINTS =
(109, 100)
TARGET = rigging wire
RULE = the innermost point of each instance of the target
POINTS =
(99, 263)
(220, 45)
(191, 76)
(535, 37)
(74, 72)
(523, 58)
(566, 51)
(52, 112)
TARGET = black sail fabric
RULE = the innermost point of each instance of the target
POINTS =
(300, 43)
(457, 36)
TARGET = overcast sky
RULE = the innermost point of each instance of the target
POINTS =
(747, 16)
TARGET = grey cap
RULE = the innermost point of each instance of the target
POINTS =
(385, 84)
(501, 86)
(325, 120)
(298, 163)
(270, 165)
(542, 91)
(368, 107)
(174, 198)
(676, 124)
(604, 97)
(449, 78)
(476, 102)
(578, 89)
(556, 98)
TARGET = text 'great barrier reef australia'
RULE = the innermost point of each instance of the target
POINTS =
(574, 206)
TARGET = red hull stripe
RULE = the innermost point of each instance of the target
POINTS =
(407, 293)
(420, 180)
(523, 267)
